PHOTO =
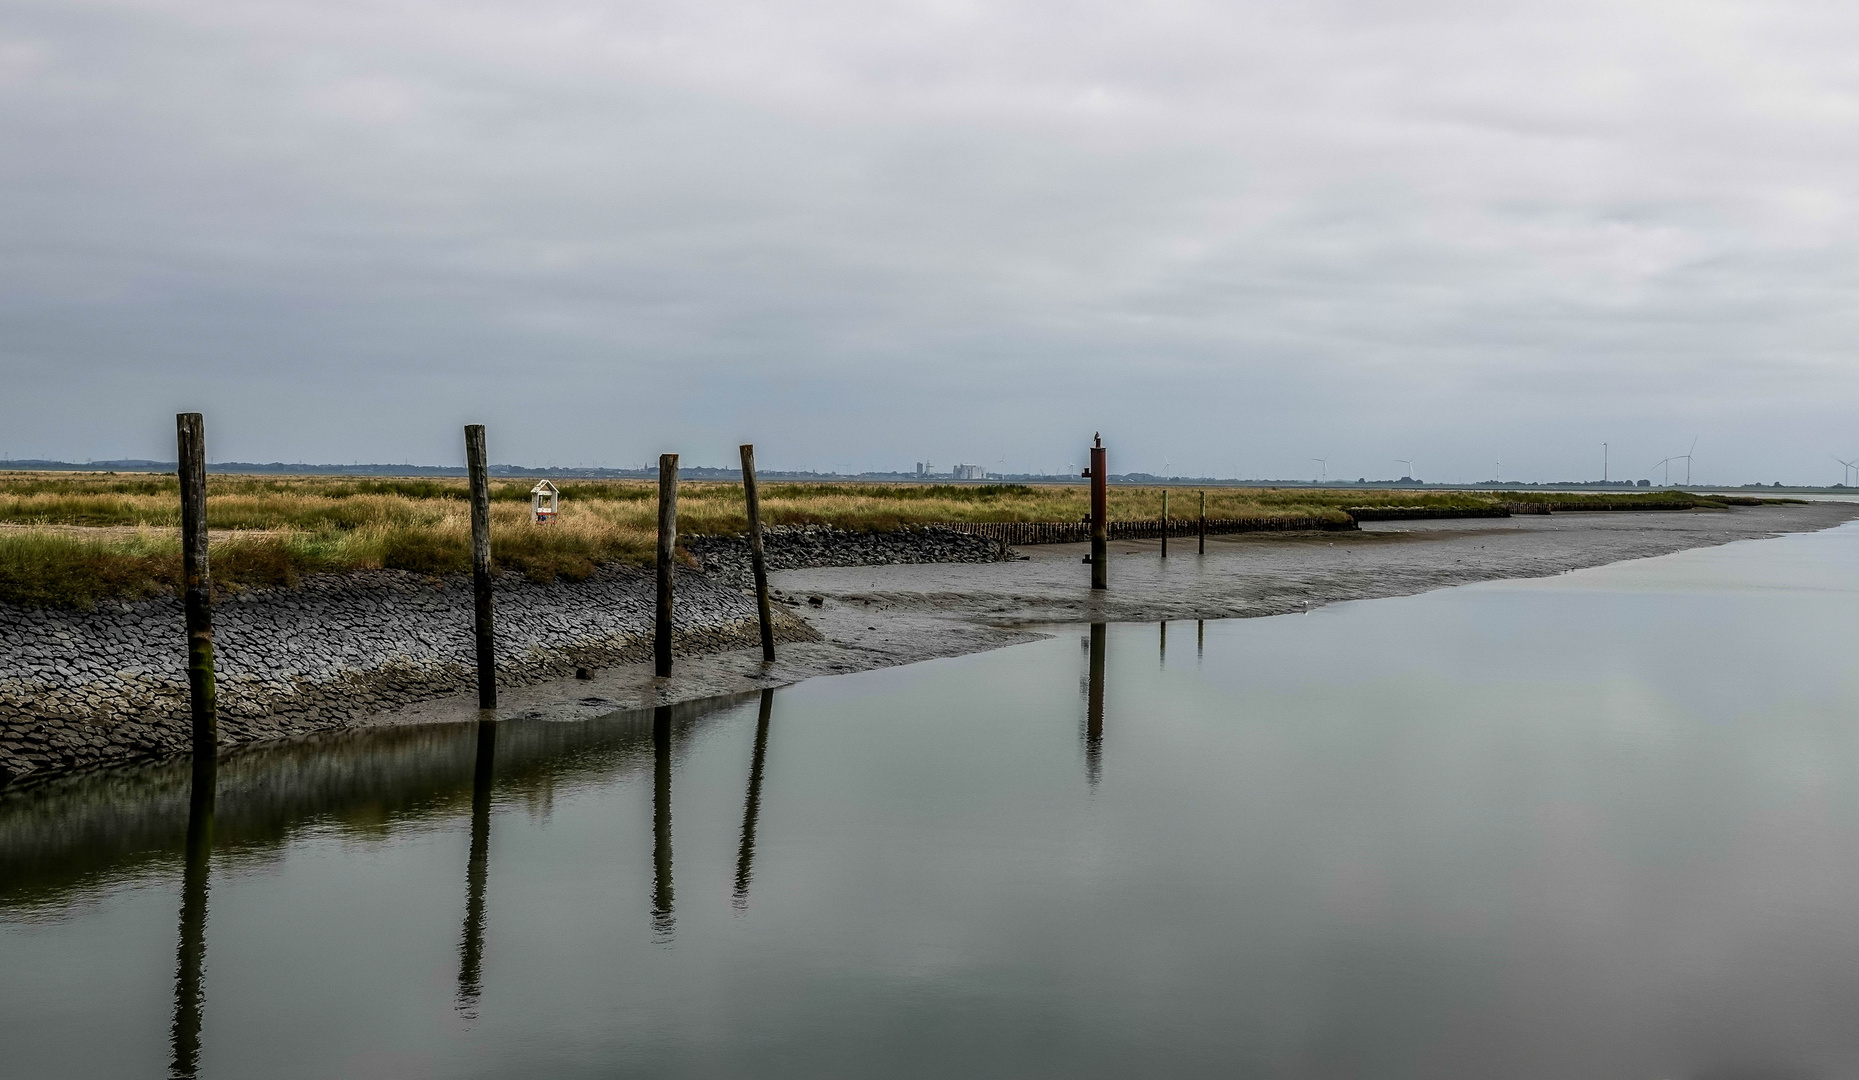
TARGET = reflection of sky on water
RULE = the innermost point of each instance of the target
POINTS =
(1602, 824)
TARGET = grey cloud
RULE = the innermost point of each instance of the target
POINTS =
(1233, 236)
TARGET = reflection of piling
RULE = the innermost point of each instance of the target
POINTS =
(197, 600)
(191, 953)
(757, 561)
(745, 856)
(1165, 523)
(471, 946)
(1164, 649)
(1100, 516)
(477, 465)
(661, 822)
(1094, 707)
(1200, 638)
(667, 544)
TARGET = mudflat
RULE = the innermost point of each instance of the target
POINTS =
(879, 616)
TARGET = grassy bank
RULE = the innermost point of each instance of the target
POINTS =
(71, 539)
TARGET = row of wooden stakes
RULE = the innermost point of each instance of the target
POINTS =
(197, 599)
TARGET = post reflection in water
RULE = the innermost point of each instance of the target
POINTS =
(1200, 638)
(471, 943)
(191, 953)
(1094, 708)
(1164, 653)
(662, 921)
(745, 857)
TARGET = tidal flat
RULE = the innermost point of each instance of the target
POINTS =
(1604, 822)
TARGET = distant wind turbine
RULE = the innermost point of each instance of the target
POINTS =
(1847, 476)
(1323, 466)
(1410, 466)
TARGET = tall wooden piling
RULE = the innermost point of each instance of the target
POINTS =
(667, 544)
(476, 464)
(1203, 530)
(1100, 516)
(191, 441)
(1165, 525)
(756, 558)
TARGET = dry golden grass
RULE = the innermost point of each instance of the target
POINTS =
(283, 527)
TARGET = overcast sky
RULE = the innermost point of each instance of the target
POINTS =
(1233, 236)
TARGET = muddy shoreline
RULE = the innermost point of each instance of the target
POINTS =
(874, 617)
(879, 616)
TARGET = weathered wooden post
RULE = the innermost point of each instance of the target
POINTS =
(667, 543)
(756, 558)
(1165, 524)
(1099, 472)
(1203, 549)
(197, 599)
(476, 465)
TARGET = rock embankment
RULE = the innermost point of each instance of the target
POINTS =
(800, 547)
(85, 688)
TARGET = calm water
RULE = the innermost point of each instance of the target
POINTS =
(1605, 825)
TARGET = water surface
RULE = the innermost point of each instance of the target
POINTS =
(1602, 825)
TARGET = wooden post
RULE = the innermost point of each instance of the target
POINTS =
(191, 440)
(475, 463)
(1100, 516)
(1203, 550)
(667, 544)
(1165, 529)
(756, 558)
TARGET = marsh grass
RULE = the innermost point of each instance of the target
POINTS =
(298, 525)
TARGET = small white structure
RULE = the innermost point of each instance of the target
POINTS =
(544, 502)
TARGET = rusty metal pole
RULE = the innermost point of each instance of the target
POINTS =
(1100, 515)
(667, 544)
(476, 464)
(1203, 550)
(191, 441)
(756, 558)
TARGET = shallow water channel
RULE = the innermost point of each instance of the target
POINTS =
(1601, 825)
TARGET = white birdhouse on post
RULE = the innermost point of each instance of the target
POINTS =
(544, 502)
